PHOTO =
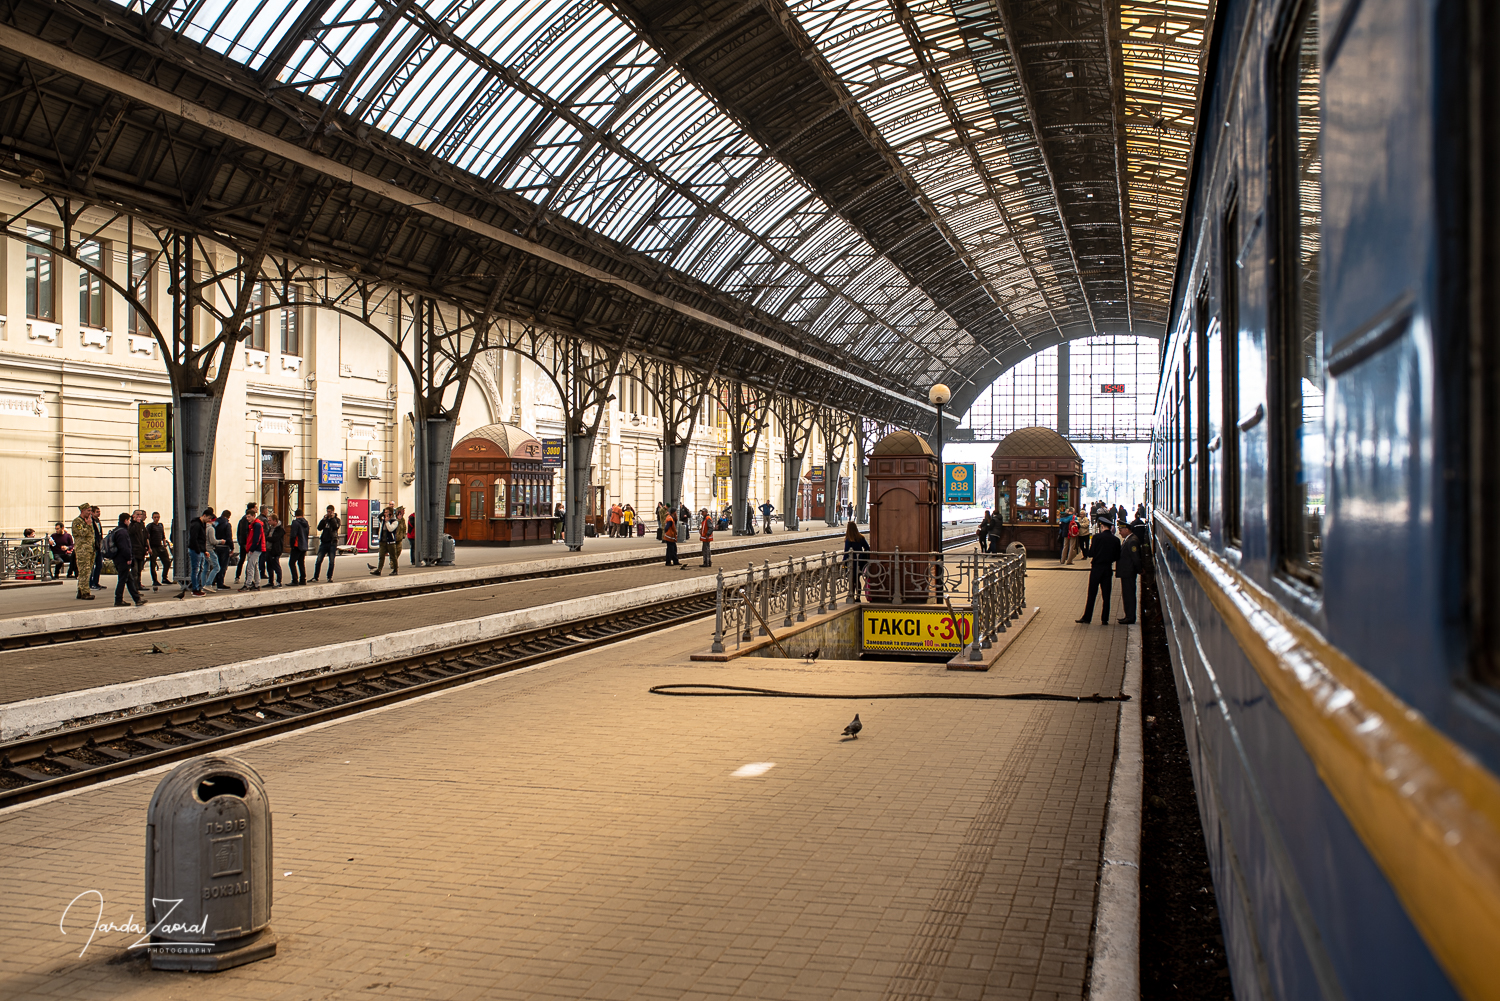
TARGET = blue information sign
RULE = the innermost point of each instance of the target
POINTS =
(958, 479)
(330, 473)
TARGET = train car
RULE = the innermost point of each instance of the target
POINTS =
(1326, 451)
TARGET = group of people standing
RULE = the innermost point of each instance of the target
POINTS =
(132, 545)
(621, 521)
(1114, 557)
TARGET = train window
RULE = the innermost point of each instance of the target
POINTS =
(1299, 427)
(1187, 431)
(1200, 337)
(1229, 368)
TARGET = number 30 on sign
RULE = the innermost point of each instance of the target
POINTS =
(916, 630)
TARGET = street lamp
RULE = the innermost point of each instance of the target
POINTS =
(937, 396)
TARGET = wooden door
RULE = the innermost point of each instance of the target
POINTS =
(476, 511)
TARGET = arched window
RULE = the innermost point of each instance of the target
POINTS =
(499, 495)
(455, 498)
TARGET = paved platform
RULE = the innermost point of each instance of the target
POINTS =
(562, 833)
(43, 671)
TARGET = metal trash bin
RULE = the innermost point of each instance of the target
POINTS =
(208, 867)
(450, 549)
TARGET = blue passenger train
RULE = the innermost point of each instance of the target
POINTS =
(1326, 458)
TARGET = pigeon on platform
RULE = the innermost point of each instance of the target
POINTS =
(813, 656)
(852, 730)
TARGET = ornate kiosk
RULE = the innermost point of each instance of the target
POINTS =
(499, 494)
(906, 513)
(1037, 474)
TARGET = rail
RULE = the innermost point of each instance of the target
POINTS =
(24, 560)
(747, 602)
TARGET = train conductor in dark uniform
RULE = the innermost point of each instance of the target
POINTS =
(1127, 568)
(1103, 552)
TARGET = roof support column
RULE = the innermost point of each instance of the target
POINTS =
(1063, 362)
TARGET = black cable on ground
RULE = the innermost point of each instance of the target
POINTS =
(730, 691)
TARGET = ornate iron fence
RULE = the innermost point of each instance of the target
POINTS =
(20, 560)
(754, 601)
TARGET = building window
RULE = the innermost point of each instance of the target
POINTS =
(257, 339)
(90, 284)
(1299, 383)
(140, 290)
(291, 326)
(1229, 383)
(455, 497)
(41, 267)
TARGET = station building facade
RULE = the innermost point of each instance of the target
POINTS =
(310, 384)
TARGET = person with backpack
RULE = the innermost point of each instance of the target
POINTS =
(328, 542)
(765, 516)
(706, 536)
(669, 536)
(411, 535)
(117, 549)
(253, 549)
(297, 539)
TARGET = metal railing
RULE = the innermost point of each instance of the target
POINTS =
(752, 602)
(997, 597)
(21, 560)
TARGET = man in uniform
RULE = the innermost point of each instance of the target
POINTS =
(1128, 567)
(83, 549)
(1103, 553)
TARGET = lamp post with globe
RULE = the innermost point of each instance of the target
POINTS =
(938, 395)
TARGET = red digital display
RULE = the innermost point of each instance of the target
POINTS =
(1112, 387)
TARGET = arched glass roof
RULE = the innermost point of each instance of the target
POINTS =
(924, 186)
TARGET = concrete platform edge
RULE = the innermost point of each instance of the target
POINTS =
(1001, 644)
(35, 716)
(167, 605)
(1116, 971)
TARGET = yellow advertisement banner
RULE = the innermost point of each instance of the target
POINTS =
(722, 465)
(154, 427)
(915, 629)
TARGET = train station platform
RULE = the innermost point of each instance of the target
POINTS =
(563, 833)
(41, 599)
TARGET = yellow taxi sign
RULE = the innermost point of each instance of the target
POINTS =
(154, 428)
(915, 629)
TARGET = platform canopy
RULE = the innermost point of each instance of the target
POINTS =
(910, 192)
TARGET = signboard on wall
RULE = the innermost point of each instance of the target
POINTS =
(330, 473)
(815, 474)
(357, 525)
(911, 629)
(723, 465)
(958, 480)
(154, 428)
(552, 453)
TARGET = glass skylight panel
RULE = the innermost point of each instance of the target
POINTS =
(242, 31)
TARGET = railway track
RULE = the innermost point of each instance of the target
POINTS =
(94, 752)
(203, 613)
(34, 767)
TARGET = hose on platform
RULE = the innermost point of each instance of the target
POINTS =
(732, 691)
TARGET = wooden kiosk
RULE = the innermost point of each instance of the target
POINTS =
(499, 494)
(1037, 473)
(906, 507)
